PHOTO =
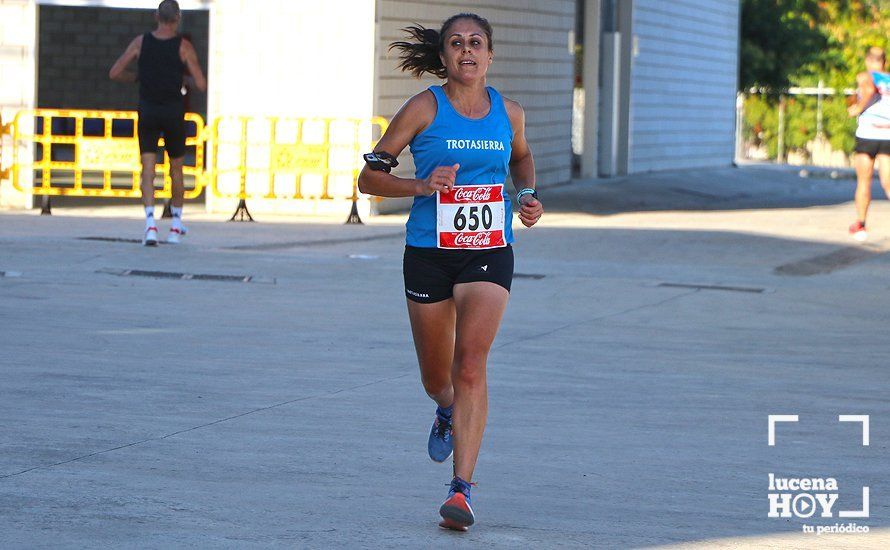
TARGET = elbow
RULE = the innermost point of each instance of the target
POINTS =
(524, 159)
(363, 184)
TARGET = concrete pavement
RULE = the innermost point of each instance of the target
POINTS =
(656, 321)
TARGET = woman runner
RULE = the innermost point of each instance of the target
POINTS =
(458, 263)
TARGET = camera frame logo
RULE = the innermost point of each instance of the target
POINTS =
(814, 496)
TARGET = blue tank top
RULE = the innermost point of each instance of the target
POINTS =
(482, 147)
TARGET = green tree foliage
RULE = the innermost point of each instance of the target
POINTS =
(852, 26)
(779, 39)
(762, 122)
(798, 43)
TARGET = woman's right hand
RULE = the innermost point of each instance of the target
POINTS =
(441, 179)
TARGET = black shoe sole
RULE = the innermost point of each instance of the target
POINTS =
(459, 517)
(452, 526)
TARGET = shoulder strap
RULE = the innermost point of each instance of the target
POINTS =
(497, 100)
(438, 92)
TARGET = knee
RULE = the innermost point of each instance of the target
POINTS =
(469, 369)
(436, 381)
(437, 389)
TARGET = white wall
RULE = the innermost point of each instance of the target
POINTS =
(683, 84)
(18, 44)
(532, 65)
(290, 59)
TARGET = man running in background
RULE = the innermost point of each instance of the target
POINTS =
(162, 56)
(872, 134)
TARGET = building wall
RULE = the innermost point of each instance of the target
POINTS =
(289, 59)
(78, 45)
(683, 84)
(532, 65)
(292, 58)
(18, 50)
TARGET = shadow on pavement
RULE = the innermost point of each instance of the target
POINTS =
(749, 187)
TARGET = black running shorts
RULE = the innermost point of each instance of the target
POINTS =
(168, 120)
(431, 273)
(872, 147)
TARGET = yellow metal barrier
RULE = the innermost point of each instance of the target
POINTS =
(59, 133)
(96, 154)
(4, 130)
(256, 154)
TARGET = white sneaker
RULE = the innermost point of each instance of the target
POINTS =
(151, 236)
(175, 235)
(857, 231)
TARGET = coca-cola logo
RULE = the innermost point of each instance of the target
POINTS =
(472, 194)
(478, 239)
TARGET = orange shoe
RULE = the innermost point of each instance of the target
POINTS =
(456, 511)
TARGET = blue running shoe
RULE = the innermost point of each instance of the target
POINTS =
(456, 511)
(441, 444)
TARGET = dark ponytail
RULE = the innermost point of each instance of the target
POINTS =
(421, 54)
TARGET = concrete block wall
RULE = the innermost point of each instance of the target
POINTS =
(78, 45)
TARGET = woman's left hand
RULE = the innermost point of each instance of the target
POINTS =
(530, 211)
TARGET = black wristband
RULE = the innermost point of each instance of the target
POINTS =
(380, 161)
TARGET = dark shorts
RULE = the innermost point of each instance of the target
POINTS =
(872, 147)
(168, 120)
(431, 273)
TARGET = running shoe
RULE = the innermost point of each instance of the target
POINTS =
(857, 231)
(456, 511)
(441, 443)
(175, 234)
(151, 236)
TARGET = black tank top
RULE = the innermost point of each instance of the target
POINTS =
(160, 70)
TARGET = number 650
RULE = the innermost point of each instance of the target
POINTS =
(460, 220)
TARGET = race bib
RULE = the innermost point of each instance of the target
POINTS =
(471, 217)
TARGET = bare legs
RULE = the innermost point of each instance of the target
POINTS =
(480, 307)
(177, 187)
(884, 173)
(147, 180)
(453, 338)
(433, 328)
